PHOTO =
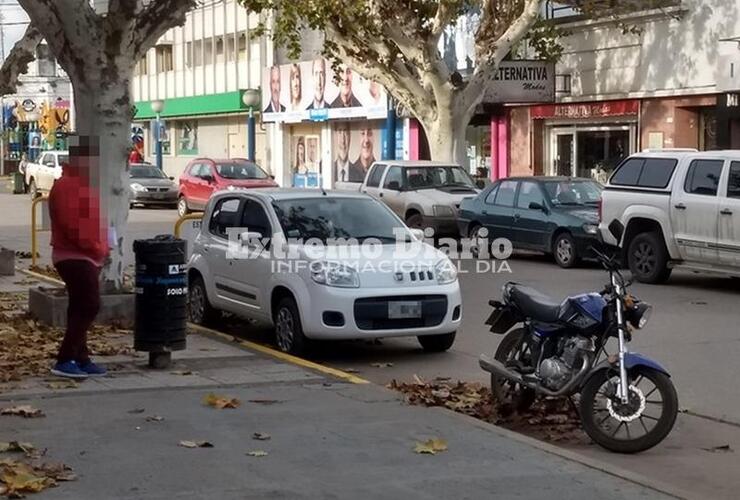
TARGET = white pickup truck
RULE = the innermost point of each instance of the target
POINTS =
(422, 193)
(40, 176)
(679, 208)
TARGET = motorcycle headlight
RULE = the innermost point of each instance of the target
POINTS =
(443, 211)
(445, 272)
(591, 228)
(137, 187)
(639, 315)
(334, 274)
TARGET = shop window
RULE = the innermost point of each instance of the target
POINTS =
(733, 182)
(529, 192)
(47, 65)
(164, 137)
(188, 138)
(208, 50)
(219, 50)
(703, 177)
(231, 47)
(242, 46)
(505, 195)
(164, 58)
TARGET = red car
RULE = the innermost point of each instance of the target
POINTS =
(204, 176)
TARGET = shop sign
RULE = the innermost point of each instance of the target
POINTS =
(586, 110)
(308, 91)
(521, 82)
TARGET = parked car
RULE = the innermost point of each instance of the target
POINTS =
(343, 296)
(680, 209)
(423, 193)
(148, 185)
(204, 176)
(554, 215)
(40, 175)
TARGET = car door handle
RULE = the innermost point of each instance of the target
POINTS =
(726, 211)
(484, 212)
(380, 195)
(680, 206)
(517, 216)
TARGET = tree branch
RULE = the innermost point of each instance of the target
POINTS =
(156, 18)
(16, 64)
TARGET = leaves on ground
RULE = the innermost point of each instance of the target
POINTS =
(154, 418)
(16, 446)
(257, 453)
(195, 444)
(261, 436)
(63, 384)
(552, 420)
(431, 446)
(725, 448)
(221, 402)
(381, 365)
(183, 372)
(25, 411)
(19, 477)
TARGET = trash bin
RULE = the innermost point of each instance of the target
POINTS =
(18, 187)
(161, 298)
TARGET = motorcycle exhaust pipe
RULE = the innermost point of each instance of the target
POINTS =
(498, 368)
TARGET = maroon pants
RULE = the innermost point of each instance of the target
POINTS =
(83, 289)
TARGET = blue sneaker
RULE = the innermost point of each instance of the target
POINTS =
(93, 370)
(69, 369)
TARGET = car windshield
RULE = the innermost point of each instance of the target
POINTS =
(240, 171)
(146, 173)
(438, 177)
(573, 192)
(333, 218)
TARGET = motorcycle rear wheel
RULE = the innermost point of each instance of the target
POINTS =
(597, 419)
(512, 397)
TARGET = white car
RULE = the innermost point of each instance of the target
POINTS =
(40, 176)
(307, 282)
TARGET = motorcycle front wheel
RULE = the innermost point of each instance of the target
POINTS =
(511, 396)
(643, 422)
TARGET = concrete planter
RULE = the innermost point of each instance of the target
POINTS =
(7, 262)
(49, 305)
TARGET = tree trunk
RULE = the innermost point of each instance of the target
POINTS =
(446, 136)
(103, 112)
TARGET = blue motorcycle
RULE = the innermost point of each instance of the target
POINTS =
(627, 404)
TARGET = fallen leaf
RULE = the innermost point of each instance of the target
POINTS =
(16, 446)
(63, 384)
(25, 411)
(154, 418)
(137, 410)
(196, 444)
(257, 453)
(725, 448)
(381, 365)
(221, 402)
(183, 372)
(21, 478)
(265, 401)
(418, 379)
(261, 436)
(431, 446)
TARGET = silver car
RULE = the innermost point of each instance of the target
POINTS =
(148, 185)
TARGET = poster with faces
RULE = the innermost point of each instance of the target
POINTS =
(310, 90)
(355, 146)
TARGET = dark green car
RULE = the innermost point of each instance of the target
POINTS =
(554, 215)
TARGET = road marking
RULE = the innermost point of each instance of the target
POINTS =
(283, 356)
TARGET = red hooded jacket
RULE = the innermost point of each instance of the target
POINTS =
(78, 230)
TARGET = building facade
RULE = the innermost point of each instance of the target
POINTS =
(673, 82)
(200, 71)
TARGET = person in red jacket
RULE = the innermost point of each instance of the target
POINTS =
(135, 156)
(80, 247)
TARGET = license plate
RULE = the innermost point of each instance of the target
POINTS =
(404, 310)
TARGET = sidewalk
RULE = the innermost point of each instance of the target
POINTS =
(330, 438)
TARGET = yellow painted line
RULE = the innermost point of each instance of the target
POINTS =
(42, 277)
(283, 356)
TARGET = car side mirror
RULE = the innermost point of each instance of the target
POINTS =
(172, 178)
(272, 177)
(417, 233)
(536, 206)
(394, 185)
(616, 229)
(208, 178)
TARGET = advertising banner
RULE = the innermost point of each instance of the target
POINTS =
(306, 91)
(355, 147)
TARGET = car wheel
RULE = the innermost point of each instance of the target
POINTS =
(288, 329)
(199, 307)
(437, 343)
(647, 258)
(564, 250)
(415, 221)
(182, 207)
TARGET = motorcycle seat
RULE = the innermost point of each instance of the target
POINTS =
(534, 304)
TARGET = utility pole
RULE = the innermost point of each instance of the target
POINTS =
(2, 101)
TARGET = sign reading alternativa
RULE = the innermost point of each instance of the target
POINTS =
(523, 82)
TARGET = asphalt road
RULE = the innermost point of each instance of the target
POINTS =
(693, 333)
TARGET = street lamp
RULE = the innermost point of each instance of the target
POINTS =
(251, 98)
(158, 107)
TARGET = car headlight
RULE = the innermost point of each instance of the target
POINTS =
(334, 274)
(443, 211)
(445, 272)
(137, 187)
(639, 315)
(591, 228)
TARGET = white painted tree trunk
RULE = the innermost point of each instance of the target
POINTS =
(446, 134)
(104, 111)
